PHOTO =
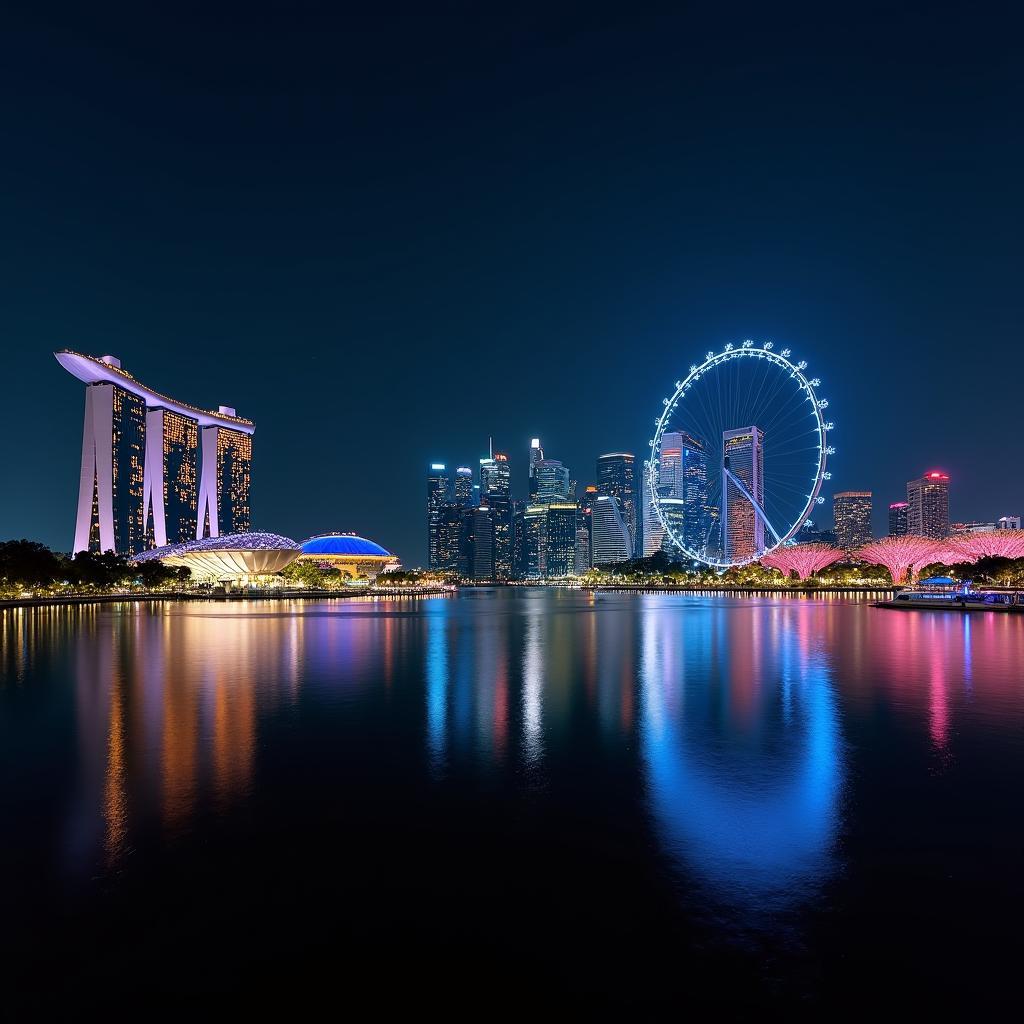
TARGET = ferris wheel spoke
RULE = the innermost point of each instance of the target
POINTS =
(791, 410)
(695, 491)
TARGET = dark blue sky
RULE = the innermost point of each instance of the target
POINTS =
(385, 239)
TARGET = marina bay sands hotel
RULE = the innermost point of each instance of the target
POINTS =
(155, 471)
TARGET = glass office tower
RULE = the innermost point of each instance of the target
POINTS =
(615, 478)
(560, 539)
(437, 500)
(742, 459)
(496, 494)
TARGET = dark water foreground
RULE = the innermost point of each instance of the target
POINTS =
(523, 800)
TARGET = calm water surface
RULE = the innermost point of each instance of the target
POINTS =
(513, 799)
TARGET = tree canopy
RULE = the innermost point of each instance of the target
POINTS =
(28, 565)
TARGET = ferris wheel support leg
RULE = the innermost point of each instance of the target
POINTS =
(741, 487)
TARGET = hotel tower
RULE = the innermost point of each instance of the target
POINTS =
(154, 471)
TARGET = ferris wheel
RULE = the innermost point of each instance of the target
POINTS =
(738, 457)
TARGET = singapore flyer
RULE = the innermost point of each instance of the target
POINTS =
(739, 455)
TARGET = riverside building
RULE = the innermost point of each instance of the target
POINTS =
(142, 457)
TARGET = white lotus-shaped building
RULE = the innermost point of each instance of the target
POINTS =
(231, 557)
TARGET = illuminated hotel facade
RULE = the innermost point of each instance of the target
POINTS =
(171, 477)
(146, 481)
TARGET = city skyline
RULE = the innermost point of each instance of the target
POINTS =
(191, 471)
(221, 462)
(563, 528)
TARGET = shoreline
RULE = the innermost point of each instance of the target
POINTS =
(185, 595)
(663, 589)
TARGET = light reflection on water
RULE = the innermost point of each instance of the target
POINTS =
(742, 750)
(725, 730)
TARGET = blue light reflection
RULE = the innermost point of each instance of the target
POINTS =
(742, 749)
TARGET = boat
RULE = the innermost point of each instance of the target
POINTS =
(945, 593)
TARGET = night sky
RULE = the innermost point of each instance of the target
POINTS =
(386, 239)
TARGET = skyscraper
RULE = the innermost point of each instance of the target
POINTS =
(674, 512)
(670, 468)
(683, 474)
(551, 482)
(141, 463)
(111, 506)
(743, 461)
(609, 534)
(615, 478)
(898, 518)
(536, 455)
(535, 518)
(653, 531)
(585, 508)
(560, 539)
(476, 544)
(437, 499)
(171, 495)
(496, 494)
(518, 534)
(483, 544)
(224, 484)
(467, 542)
(851, 511)
(928, 501)
(582, 545)
(463, 486)
(449, 531)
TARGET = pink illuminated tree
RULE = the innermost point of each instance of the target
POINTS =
(969, 547)
(803, 559)
(902, 555)
(947, 552)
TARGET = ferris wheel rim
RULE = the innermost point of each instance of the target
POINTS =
(748, 349)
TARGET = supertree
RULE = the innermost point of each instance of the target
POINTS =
(969, 547)
(901, 555)
(805, 559)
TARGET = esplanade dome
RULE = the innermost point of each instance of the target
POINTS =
(342, 544)
(348, 553)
